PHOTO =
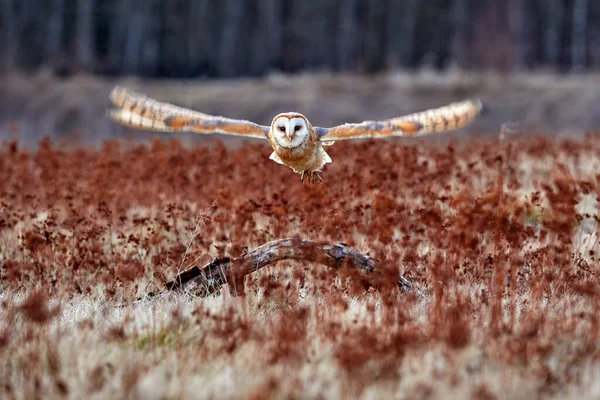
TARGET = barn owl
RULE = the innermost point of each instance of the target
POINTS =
(295, 142)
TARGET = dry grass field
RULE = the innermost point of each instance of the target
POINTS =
(498, 237)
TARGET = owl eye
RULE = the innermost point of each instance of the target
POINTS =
(282, 128)
(296, 128)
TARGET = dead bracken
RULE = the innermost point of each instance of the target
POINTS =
(499, 240)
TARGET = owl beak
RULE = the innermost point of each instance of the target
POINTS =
(290, 135)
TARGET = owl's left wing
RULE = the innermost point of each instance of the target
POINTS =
(443, 119)
(139, 111)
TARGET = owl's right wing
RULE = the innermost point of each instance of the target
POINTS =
(443, 119)
(139, 111)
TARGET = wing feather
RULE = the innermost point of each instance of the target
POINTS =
(443, 119)
(139, 111)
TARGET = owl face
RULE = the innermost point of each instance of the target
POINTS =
(290, 130)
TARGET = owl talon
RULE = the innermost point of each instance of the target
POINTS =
(318, 175)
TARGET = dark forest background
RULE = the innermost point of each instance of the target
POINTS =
(226, 38)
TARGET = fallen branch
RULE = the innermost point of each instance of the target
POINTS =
(230, 271)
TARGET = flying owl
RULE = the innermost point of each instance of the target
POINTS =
(295, 142)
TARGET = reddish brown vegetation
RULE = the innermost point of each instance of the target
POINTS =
(489, 231)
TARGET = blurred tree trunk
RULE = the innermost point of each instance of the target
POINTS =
(85, 35)
(295, 36)
(174, 58)
(272, 25)
(375, 45)
(29, 37)
(315, 33)
(440, 46)
(402, 29)
(394, 34)
(55, 31)
(594, 35)
(8, 32)
(226, 56)
(346, 22)
(552, 33)
(199, 39)
(152, 28)
(524, 32)
(323, 39)
(133, 37)
(579, 36)
(267, 40)
(142, 45)
(120, 20)
(461, 19)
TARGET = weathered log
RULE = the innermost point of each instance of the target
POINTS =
(230, 271)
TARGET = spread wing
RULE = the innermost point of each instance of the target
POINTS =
(138, 111)
(452, 116)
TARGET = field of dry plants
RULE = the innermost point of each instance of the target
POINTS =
(499, 239)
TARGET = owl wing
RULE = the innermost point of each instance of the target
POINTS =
(452, 116)
(139, 111)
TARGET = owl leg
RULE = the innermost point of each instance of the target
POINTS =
(312, 176)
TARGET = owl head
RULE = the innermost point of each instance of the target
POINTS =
(290, 130)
